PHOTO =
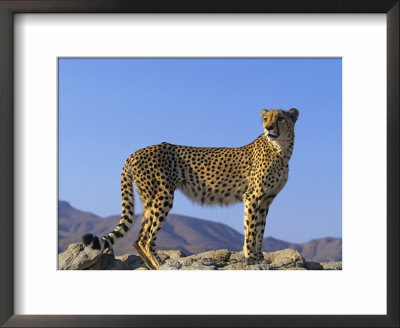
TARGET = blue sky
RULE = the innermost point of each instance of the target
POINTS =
(109, 108)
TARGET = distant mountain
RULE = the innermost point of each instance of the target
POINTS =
(179, 232)
(318, 250)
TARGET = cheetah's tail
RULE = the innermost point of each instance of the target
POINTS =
(127, 215)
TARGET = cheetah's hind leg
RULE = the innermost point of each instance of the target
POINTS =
(146, 243)
(140, 249)
(153, 257)
(144, 237)
(162, 205)
(152, 221)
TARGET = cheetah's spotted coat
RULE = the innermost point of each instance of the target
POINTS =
(254, 174)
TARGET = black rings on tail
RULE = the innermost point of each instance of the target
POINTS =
(127, 215)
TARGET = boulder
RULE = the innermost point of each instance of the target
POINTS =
(108, 262)
(131, 261)
(237, 257)
(203, 264)
(78, 257)
(313, 266)
(332, 265)
(172, 264)
(284, 259)
(243, 266)
(219, 256)
(170, 254)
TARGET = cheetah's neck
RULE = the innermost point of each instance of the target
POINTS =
(284, 146)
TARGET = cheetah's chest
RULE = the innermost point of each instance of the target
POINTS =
(274, 174)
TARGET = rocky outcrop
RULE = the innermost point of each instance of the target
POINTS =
(78, 257)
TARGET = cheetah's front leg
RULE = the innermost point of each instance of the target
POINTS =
(262, 213)
(250, 221)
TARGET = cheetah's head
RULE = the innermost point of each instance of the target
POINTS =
(279, 124)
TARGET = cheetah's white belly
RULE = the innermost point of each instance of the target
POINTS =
(205, 197)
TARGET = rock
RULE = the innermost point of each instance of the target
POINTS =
(78, 257)
(332, 265)
(223, 259)
(313, 266)
(284, 259)
(131, 261)
(186, 261)
(172, 264)
(179, 263)
(119, 265)
(243, 266)
(219, 256)
(163, 257)
(171, 254)
(200, 265)
(108, 262)
(234, 266)
(260, 266)
(202, 261)
(237, 257)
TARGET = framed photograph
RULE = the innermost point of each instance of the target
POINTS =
(84, 85)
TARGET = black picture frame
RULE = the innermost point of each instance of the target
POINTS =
(10, 7)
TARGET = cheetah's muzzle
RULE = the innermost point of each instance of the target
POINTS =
(272, 137)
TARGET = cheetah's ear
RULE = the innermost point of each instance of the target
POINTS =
(263, 112)
(294, 114)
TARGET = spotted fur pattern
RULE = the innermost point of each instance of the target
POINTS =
(254, 174)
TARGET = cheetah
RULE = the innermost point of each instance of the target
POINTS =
(254, 174)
